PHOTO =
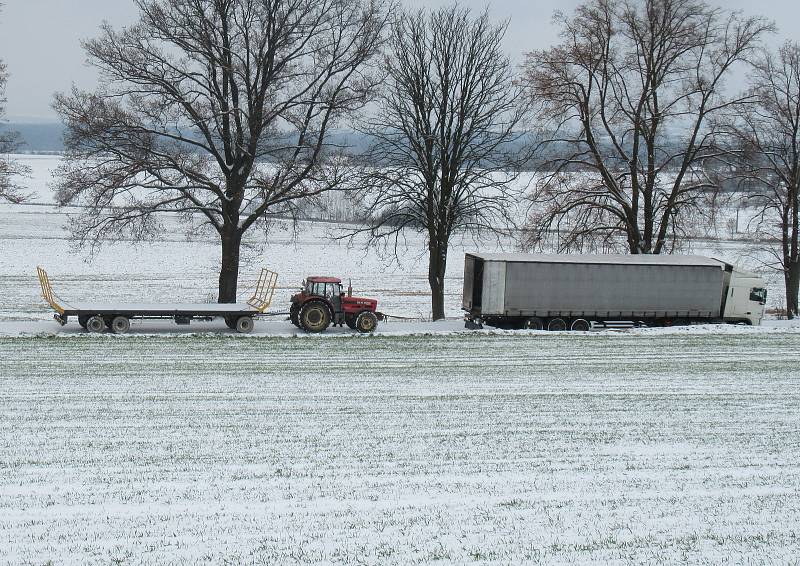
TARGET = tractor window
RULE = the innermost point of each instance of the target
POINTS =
(317, 289)
(758, 295)
(326, 290)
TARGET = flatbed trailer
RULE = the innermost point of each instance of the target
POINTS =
(97, 317)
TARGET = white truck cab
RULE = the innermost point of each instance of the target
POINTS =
(746, 298)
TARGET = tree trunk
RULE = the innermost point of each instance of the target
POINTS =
(229, 273)
(792, 280)
(437, 265)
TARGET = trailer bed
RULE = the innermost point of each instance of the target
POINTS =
(159, 309)
(116, 316)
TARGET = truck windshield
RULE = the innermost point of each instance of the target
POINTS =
(758, 295)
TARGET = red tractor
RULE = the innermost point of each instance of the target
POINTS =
(322, 301)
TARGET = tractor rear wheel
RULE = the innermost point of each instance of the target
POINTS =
(315, 316)
(366, 321)
(294, 314)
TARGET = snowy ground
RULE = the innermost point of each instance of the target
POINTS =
(612, 448)
(425, 442)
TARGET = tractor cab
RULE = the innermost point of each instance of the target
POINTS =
(322, 301)
(327, 287)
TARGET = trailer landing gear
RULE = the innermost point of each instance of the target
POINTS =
(533, 323)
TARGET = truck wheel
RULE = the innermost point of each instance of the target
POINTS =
(82, 320)
(350, 321)
(315, 316)
(533, 323)
(244, 324)
(580, 325)
(366, 322)
(557, 325)
(230, 322)
(96, 324)
(120, 324)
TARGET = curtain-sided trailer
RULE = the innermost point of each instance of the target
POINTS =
(560, 292)
(97, 317)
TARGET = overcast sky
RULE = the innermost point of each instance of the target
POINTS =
(40, 39)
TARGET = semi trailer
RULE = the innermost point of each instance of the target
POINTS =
(574, 292)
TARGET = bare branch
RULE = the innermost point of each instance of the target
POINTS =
(631, 94)
(216, 107)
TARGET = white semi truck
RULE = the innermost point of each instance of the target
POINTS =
(573, 292)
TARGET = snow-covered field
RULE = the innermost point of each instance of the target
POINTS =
(612, 448)
(425, 442)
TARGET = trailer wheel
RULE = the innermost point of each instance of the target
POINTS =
(533, 323)
(366, 322)
(120, 324)
(350, 321)
(580, 325)
(315, 316)
(557, 325)
(96, 324)
(82, 320)
(244, 324)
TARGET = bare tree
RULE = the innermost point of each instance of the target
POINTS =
(766, 136)
(217, 109)
(9, 143)
(444, 134)
(631, 92)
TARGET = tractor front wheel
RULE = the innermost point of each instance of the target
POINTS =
(315, 316)
(366, 322)
(350, 321)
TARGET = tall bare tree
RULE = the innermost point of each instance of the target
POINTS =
(444, 134)
(9, 143)
(631, 92)
(217, 109)
(766, 136)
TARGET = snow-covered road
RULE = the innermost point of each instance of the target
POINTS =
(613, 447)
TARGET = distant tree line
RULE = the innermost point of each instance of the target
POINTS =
(227, 110)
